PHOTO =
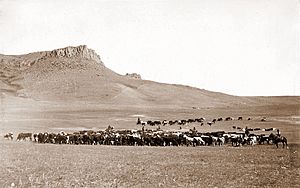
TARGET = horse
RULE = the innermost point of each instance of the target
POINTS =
(277, 139)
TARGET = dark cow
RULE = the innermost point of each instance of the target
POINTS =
(269, 129)
(73, 139)
(237, 140)
(60, 139)
(190, 120)
(9, 136)
(240, 118)
(264, 119)
(157, 122)
(228, 119)
(24, 136)
(263, 138)
(171, 122)
(220, 119)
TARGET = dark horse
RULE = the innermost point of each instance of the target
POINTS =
(276, 139)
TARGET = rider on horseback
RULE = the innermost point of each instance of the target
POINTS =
(278, 133)
(247, 132)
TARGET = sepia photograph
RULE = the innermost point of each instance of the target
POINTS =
(149, 93)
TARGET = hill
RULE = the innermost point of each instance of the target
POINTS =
(78, 74)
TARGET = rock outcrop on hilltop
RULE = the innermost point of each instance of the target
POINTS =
(134, 75)
(74, 53)
(81, 51)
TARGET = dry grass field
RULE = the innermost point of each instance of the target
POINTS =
(25, 164)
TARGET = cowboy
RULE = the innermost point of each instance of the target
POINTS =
(278, 133)
(247, 132)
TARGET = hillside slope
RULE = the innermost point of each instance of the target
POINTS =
(77, 74)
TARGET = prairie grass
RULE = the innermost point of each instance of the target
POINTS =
(25, 164)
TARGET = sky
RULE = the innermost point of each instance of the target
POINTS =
(238, 47)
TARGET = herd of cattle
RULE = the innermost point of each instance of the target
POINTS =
(143, 137)
(201, 120)
(157, 137)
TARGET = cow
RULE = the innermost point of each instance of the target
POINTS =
(24, 136)
(221, 141)
(263, 138)
(188, 140)
(35, 137)
(252, 140)
(157, 122)
(228, 119)
(164, 122)
(207, 139)
(61, 139)
(182, 122)
(9, 136)
(268, 129)
(236, 140)
(198, 141)
(171, 122)
(240, 118)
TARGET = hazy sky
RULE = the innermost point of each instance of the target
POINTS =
(240, 47)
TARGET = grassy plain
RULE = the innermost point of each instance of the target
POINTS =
(25, 164)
